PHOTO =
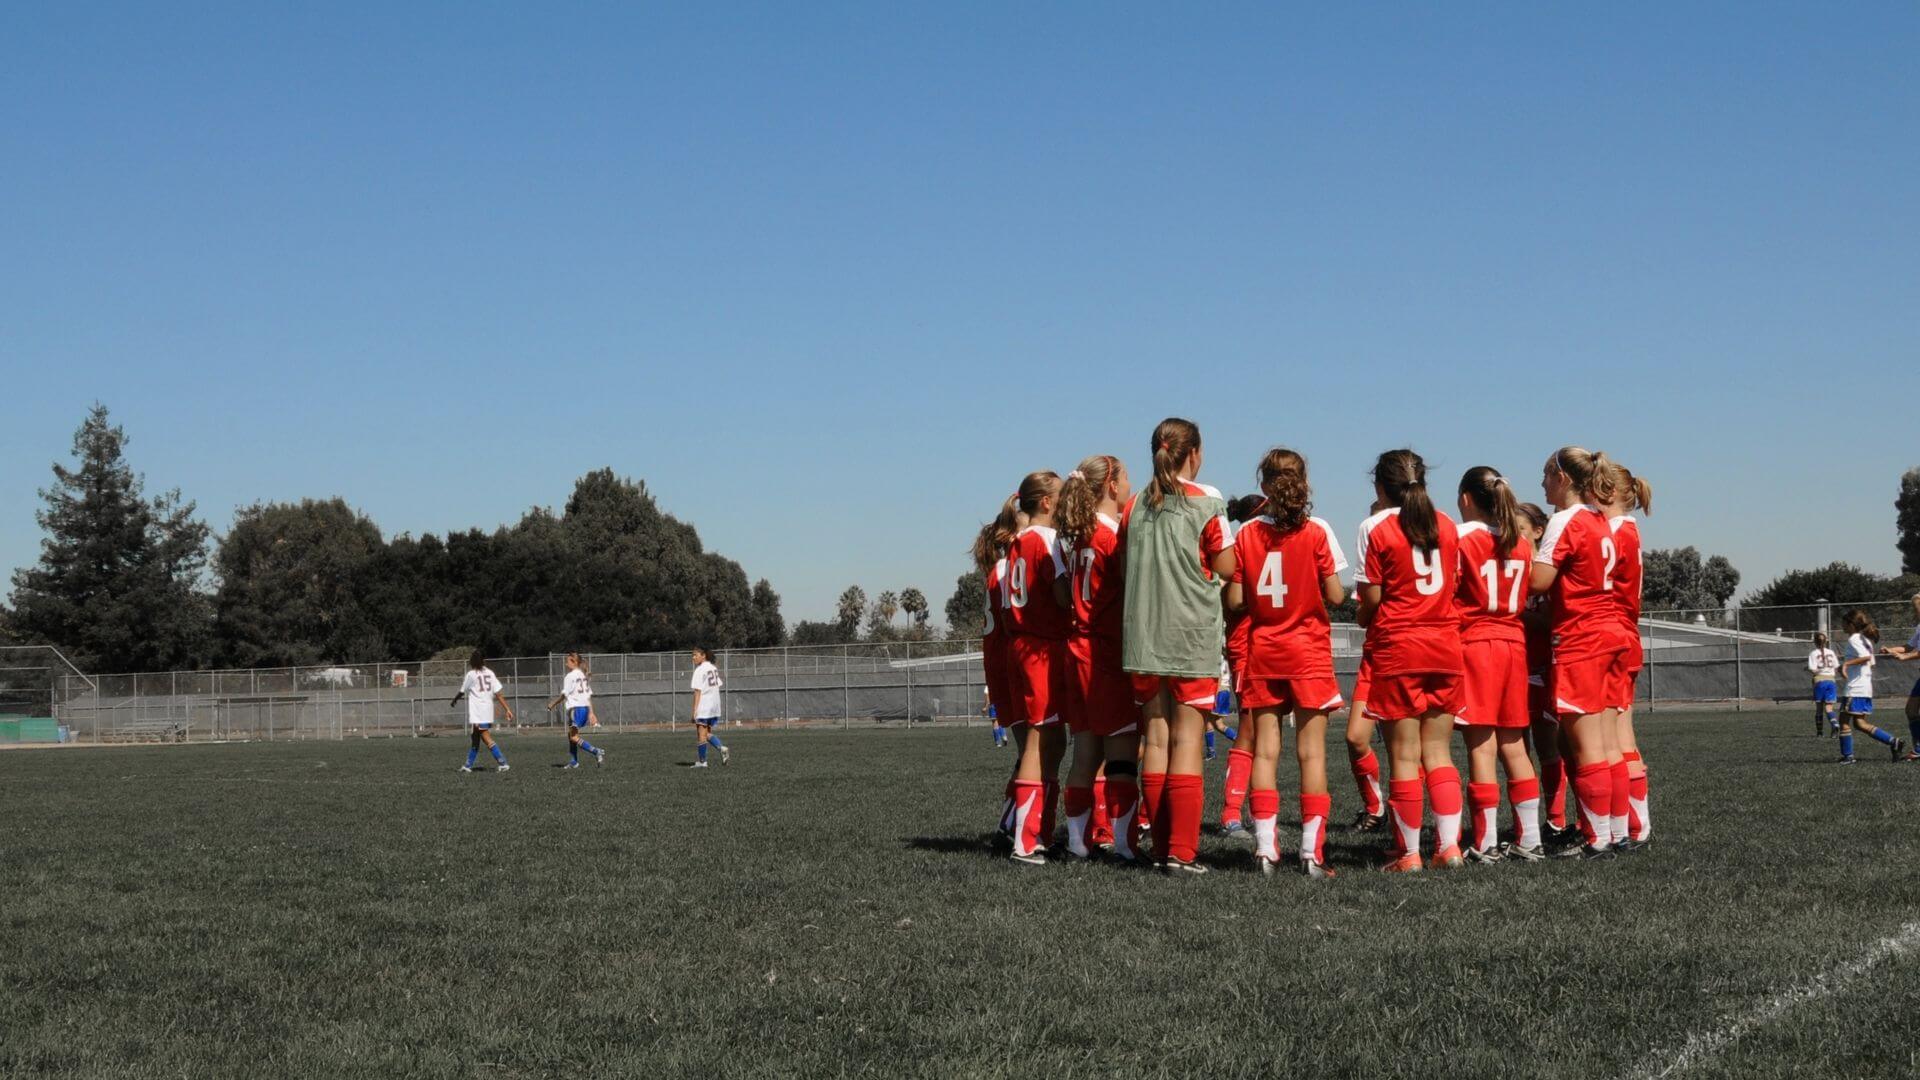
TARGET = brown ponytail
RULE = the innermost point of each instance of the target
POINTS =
(1636, 493)
(1402, 477)
(1283, 480)
(1862, 623)
(995, 535)
(1489, 492)
(1080, 497)
(1589, 473)
(1174, 440)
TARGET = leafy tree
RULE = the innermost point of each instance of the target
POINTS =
(1836, 583)
(914, 603)
(852, 608)
(295, 580)
(819, 633)
(771, 628)
(118, 579)
(967, 608)
(1679, 579)
(1907, 506)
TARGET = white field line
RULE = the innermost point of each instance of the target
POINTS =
(1701, 1046)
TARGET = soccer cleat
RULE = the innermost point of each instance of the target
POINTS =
(1448, 858)
(1899, 747)
(1848, 760)
(1405, 864)
(1556, 839)
(1238, 831)
(1316, 871)
(599, 756)
(1524, 854)
(571, 765)
(466, 768)
(1365, 822)
(1176, 866)
(726, 756)
(1486, 858)
(1629, 846)
(699, 764)
(504, 766)
(1585, 851)
(1268, 867)
(1037, 858)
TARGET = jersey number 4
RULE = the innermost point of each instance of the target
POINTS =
(1271, 583)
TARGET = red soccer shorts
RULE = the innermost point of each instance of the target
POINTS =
(1320, 694)
(1039, 678)
(1006, 706)
(1363, 682)
(1103, 695)
(1411, 695)
(1198, 693)
(1591, 684)
(1493, 691)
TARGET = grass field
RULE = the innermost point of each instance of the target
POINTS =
(828, 906)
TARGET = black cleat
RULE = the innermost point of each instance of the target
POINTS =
(1365, 822)
(1899, 747)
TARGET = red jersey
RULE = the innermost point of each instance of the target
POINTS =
(1099, 581)
(1417, 626)
(1492, 590)
(1627, 572)
(1586, 614)
(1033, 562)
(1215, 537)
(996, 600)
(1281, 576)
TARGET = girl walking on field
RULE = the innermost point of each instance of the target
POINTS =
(577, 692)
(1864, 637)
(481, 688)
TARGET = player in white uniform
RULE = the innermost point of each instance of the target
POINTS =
(577, 691)
(1859, 668)
(1824, 665)
(706, 708)
(482, 689)
(1911, 651)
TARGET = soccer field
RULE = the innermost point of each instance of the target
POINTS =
(828, 906)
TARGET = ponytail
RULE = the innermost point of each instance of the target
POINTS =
(1283, 480)
(1591, 474)
(1493, 496)
(1402, 477)
(1174, 440)
(1634, 493)
(1079, 506)
(1862, 623)
(995, 535)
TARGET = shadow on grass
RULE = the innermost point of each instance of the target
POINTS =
(979, 845)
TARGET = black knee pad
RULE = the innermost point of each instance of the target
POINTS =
(1122, 768)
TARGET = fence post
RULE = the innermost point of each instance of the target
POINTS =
(786, 687)
(1739, 676)
(846, 685)
(909, 670)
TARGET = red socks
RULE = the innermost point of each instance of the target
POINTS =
(1266, 823)
(1443, 786)
(1176, 833)
(1483, 801)
(1027, 815)
(1102, 828)
(1239, 769)
(1314, 812)
(1553, 788)
(1006, 808)
(1153, 786)
(1408, 803)
(1617, 774)
(1639, 820)
(1366, 774)
(1593, 790)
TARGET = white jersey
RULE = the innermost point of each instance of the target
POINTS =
(1824, 663)
(579, 693)
(481, 687)
(706, 679)
(1860, 683)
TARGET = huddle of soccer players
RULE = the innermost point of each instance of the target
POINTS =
(1108, 612)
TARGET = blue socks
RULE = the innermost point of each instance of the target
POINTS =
(588, 747)
(497, 755)
(702, 748)
(473, 755)
(1209, 742)
(1233, 734)
(1880, 735)
(714, 741)
(1846, 746)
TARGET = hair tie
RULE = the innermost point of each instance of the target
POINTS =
(1076, 475)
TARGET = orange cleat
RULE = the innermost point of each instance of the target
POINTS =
(1405, 864)
(1447, 859)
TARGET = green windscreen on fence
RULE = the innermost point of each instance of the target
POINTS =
(17, 729)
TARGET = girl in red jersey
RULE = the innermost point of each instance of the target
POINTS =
(1544, 722)
(1575, 565)
(1630, 493)
(1240, 756)
(1408, 557)
(1284, 574)
(990, 560)
(1495, 555)
(1106, 727)
(1037, 625)
(1173, 533)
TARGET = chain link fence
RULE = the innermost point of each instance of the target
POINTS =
(1739, 657)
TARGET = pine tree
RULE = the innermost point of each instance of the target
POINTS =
(118, 580)
(1907, 506)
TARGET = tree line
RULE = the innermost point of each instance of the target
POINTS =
(128, 582)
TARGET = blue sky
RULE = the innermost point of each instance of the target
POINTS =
(832, 277)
